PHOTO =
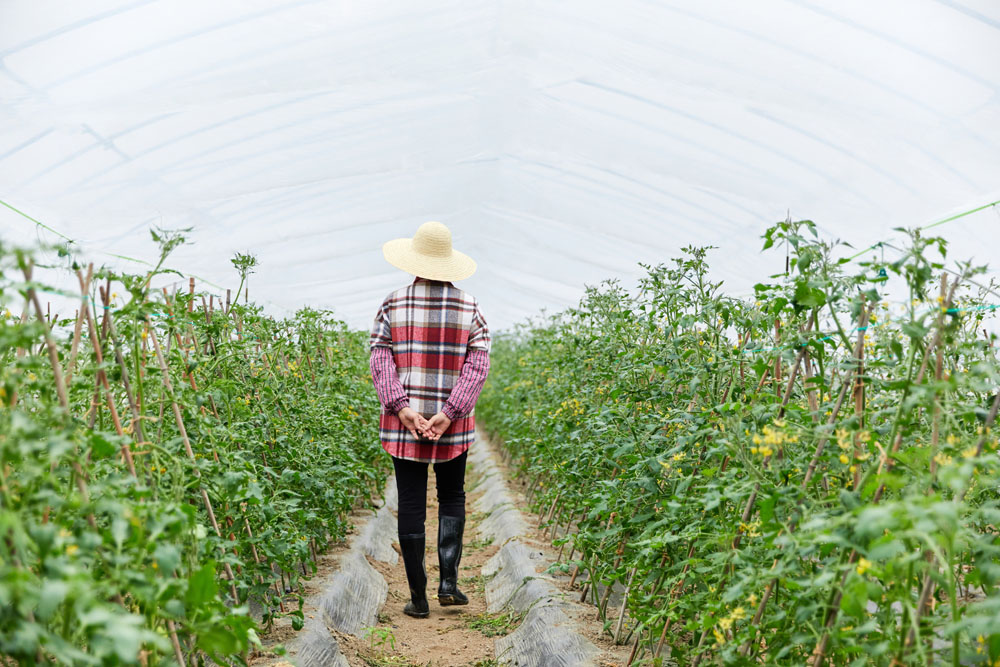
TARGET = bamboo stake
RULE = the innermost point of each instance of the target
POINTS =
(187, 447)
(938, 366)
(635, 650)
(752, 500)
(102, 379)
(920, 377)
(927, 589)
(576, 570)
(78, 327)
(859, 407)
(820, 446)
(819, 652)
(603, 602)
(59, 380)
(137, 424)
(120, 359)
(621, 610)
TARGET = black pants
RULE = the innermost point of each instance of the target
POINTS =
(411, 482)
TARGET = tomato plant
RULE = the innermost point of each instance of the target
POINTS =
(808, 476)
(167, 464)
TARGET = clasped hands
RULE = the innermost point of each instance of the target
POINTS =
(420, 427)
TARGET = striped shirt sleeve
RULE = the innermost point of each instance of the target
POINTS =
(479, 333)
(391, 393)
(470, 382)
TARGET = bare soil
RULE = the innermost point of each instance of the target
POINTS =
(458, 636)
(444, 639)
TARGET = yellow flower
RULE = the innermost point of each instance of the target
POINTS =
(951, 440)
(969, 453)
(863, 565)
(766, 451)
(679, 457)
(752, 599)
(942, 459)
(72, 549)
(844, 459)
(843, 438)
(719, 637)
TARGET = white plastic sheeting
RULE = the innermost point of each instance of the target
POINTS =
(563, 142)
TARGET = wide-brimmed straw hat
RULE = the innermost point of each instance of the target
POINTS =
(429, 254)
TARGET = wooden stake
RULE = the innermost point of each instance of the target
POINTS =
(819, 652)
(187, 447)
(621, 610)
(102, 378)
(78, 329)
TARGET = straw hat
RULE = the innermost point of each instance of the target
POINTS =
(429, 254)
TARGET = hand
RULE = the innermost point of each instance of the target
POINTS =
(436, 426)
(413, 421)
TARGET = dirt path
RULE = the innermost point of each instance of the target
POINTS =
(452, 636)
(448, 638)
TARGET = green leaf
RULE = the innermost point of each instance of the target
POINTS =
(914, 330)
(217, 641)
(202, 586)
(101, 447)
(808, 297)
(167, 557)
(855, 597)
(53, 593)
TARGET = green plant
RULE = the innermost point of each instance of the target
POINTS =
(167, 462)
(380, 638)
(495, 625)
(479, 543)
(805, 476)
(244, 263)
(475, 582)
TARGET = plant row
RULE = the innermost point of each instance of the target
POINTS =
(168, 463)
(808, 476)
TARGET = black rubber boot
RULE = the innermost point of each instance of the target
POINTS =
(412, 547)
(450, 529)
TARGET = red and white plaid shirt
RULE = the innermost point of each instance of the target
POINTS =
(430, 350)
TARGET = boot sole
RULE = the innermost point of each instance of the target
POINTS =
(450, 601)
(417, 614)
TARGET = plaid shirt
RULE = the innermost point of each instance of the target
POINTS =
(429, 351)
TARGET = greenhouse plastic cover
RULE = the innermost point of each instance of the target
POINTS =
(562, 142)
